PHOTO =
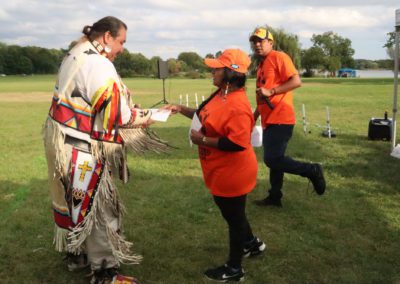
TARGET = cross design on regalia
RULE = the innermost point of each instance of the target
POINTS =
(84, 168)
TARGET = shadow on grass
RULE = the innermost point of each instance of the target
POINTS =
(348, 235)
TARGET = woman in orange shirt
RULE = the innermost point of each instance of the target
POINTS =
(227, 158)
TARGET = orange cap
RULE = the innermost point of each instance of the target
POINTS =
(234, 59)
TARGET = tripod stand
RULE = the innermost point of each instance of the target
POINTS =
(163, 101)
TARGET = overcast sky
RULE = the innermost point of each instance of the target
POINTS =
(167, 27)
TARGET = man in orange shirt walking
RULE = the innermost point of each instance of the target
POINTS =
(276, 78)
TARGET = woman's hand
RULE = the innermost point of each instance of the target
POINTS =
(173, 108)
(262, 92)
(196, 137)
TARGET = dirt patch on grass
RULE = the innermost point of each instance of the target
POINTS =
(26, 97)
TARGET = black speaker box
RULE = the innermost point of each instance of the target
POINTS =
(162, 69)
(380, 129)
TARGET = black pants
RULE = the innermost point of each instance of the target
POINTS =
(275, 141)
(233, 209)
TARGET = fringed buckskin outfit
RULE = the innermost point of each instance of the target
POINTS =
(90, 124)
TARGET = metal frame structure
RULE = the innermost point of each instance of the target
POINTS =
(396, 77)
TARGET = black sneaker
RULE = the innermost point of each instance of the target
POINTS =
(254, 247)
(317, 179)
(225, 273)
(268, 202)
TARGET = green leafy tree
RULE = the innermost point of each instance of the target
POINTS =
(154, 65)
(132, 64)
(193, 61)
(336, 49)
(390, 47)
(141, 65)
(13, 53)
(363, 64)
(312, 59)
(3, 50)
(124, 65)
(385, 64)
(176, 66)
(24, 65)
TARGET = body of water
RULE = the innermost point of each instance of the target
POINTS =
(375, 74)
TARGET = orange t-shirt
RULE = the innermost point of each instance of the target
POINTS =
(274, 70)
(225, 173)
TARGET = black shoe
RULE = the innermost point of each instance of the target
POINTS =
(225, 273)
(268, 202)
(317, 179)
(254, 247)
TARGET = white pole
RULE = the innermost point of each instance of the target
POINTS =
(396, 77)
(328, 123)
(187, 100)
(303, 110)
(202, 98)
(180, 99)
(196, 100)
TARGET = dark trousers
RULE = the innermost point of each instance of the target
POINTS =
(275, 141)
(233, 209)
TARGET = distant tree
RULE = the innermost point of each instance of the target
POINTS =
(132, 64)
(124, 65)
(141, 65)
(312, 59)
(209, 55)
(24, 65)
(390, 46)
(385, 64)
(45, 61)
(193, 61)
(3, 50)
(176, 66)
(337, 51)
(154, 65)
(332, 64)
(362, 64)
(13, 53)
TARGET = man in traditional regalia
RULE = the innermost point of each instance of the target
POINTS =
(91, 122)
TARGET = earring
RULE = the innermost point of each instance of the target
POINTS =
(107, 49)
(226, 89)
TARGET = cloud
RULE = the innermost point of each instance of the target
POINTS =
(168, 27)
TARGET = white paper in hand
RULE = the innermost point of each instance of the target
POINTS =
(256, 136)
(196, 125)
(160, 114)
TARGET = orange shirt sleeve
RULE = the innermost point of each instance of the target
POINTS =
(286, 67)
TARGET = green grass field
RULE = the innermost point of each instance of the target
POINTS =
(349, 235)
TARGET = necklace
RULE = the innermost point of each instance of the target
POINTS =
(98, 46)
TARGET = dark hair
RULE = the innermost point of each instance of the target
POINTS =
(234, 78)
(106, 24)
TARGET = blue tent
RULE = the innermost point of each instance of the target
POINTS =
(346, 72)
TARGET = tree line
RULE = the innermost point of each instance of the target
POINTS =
(328, 53)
